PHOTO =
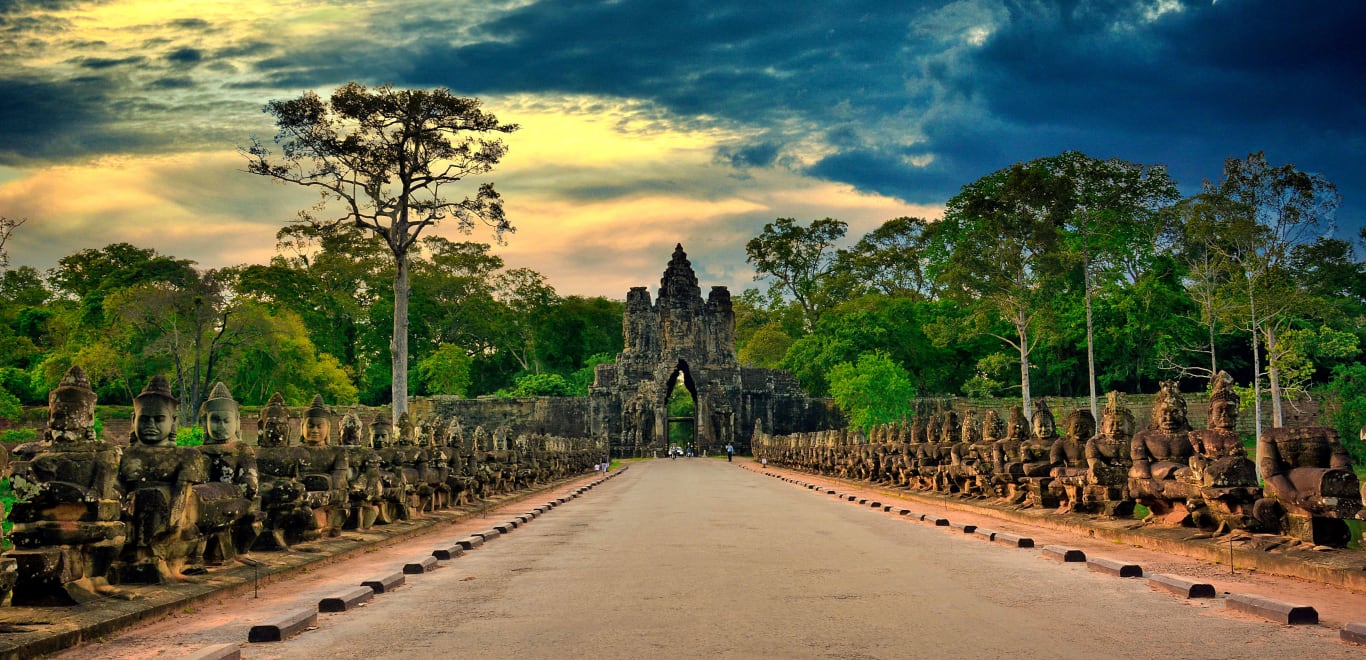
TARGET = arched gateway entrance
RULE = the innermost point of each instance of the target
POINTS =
(681, 336)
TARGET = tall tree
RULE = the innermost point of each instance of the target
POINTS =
(1254, 218)
(387, 156)
(799, 260)
(1115, 224)
(999, 247)
(890, 260)
(7, 227)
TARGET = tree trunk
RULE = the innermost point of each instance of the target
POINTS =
(1256, 375)
(1090, 348)
(398, 346)
(1274, 376)
(1024, 371)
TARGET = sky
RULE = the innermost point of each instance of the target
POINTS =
(646, 123)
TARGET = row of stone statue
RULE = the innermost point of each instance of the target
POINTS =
(1200, 478)
(93, 515)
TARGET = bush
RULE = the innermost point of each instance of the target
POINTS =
(18, 436)
(191, 437)
(539, 385)
(1348, 388)
(874, 391)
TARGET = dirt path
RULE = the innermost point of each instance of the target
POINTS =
(698, 558)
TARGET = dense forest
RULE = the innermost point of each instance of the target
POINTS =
(1055, 277)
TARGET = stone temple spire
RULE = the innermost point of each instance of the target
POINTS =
(679, 287)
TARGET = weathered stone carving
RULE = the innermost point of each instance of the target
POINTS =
(1310, 486)
(288, 518)
(1161, 477)
(680, 337)
(324, 475)
(1225, 478)
(225, 508)
(67, 531)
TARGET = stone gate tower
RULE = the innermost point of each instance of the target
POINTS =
(680, 335)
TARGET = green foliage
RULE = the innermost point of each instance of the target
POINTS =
(539, 385)
(18, 436)
(799, 261)
(1348, 389)
(766, 347)
(189, 437)
(10, 406)
(875, 390)
(582, 379)
(445, 370)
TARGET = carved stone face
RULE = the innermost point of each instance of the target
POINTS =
(274, 431)
(380, 436)
(1044, 426)
(154, 422)
(1223, 415)
(317, 431)
(1170, 418)
(221, 425)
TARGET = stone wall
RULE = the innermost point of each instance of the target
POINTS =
(547, 415)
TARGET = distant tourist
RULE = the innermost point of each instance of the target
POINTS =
(730, 451)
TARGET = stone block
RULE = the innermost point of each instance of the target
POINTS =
(1181, 586)
(904, 512)
(963, 527)
(489, 534)
(887, 508)
(875, 504)
(447, 553)
(1354, 633)
(1112, 567)
(1278, 611)
(851, 498)
(1013, 540)
(470, 542)
(345, 600)
(385, 584)
(987, 534)
(283, 627)
(936, 520)
(505, 527)
(1063, 554)
(424, 565)
(217, 652)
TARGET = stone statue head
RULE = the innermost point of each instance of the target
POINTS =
(1045, 426)
(1169, 409)
(219, 417)
(381, 430)
(154, 414)
(404, 430)
(1223, 403)
(350, 428)
(1116, 421)
(993, 428)
(272, 427)
(950, 430)
(1017, 427)
(1079, 425)
(455, 434)
(316, 429)
(972, 431)
(481, 439)
(71, 409)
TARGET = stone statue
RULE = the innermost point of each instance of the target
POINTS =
(158, 478)
(1008, 458)
(1108, 463)
(227, 511)
(399, 493)
(288, 518)
(1310, 486)
(324, 477)
(1068, 457)
(1161, 477)
(364, 474)
(67, 527)
(1220, 467)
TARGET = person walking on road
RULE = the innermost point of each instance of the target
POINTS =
(730, 451)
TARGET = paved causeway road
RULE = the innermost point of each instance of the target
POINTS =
(699, 558)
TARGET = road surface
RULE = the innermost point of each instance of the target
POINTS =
(699, 558)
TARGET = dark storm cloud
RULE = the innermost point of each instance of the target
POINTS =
(108, 62)
(1187, 88)
(48, 120)
(185, 56)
